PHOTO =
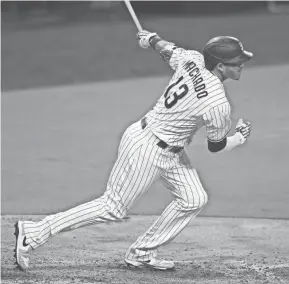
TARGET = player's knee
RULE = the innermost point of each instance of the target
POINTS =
(195, 202)
(203, 200)
(112, 209)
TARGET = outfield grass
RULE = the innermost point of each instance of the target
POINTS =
(59, 144)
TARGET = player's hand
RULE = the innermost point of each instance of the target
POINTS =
(144, 37)
(244, 128)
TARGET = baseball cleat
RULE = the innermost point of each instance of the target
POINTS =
(22, 249)
(158, 264)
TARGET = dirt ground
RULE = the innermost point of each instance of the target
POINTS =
(209, 250)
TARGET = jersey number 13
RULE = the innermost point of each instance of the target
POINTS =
(175, 92)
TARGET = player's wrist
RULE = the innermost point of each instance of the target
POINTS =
(144, 37)
(233, 141)
(240, 139)
(153, 40)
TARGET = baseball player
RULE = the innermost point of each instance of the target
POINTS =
(154, 147)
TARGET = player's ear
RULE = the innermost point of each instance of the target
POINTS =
(220, 67)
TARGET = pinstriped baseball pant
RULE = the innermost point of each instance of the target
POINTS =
(140, 162)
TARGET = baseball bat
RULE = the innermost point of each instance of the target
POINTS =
(133, 15)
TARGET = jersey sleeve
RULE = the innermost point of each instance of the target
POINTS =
(218, 122)
(176, 55)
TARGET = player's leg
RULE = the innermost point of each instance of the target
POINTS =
(189, 199)
(132, 174)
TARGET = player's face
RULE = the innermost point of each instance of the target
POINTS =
(233, 71)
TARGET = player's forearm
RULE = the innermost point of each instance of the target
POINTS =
(159, 44)
(233, 141)
(165, 48)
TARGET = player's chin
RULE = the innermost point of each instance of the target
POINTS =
(236, 76)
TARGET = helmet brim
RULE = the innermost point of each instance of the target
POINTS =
(243, 57)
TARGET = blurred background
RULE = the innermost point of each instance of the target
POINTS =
(73, 78)
(62, 42)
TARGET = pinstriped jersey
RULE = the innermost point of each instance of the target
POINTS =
(194, 98)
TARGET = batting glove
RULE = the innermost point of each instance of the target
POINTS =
(243, 128)
(144, 38)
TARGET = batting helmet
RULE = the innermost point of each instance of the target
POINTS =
(225, 49)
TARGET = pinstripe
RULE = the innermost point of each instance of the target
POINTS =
(134, 179)
(63, 217)
(119, 167)
(179, 178)
(176, 216)
(217, 101)
(128, 189)
(122, 159)
(183, 102)
(180, 225)
(152, 242)
(141, 240)
(97, 211)
(45, 230)
(134, 170)
(46, 236)
(192, 114)
(172, 227)
(131, 192)
(220, 122)
(151, 173)
(135, 250)
(169, 216)
(76, 215)
(202, 102)
(188, 199)
(175, 227)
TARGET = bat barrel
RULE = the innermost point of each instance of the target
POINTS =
(133, 15)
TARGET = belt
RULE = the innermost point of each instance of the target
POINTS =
(162, 144)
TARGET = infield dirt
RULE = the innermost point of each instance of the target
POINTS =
(208, 251)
